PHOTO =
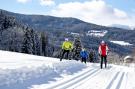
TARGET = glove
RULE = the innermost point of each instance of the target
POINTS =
(107, 52)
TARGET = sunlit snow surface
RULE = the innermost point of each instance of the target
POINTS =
(123, 43)
(22, 71)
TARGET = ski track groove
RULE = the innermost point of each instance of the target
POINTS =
(88, 79)
(80, 83)
(112, 81)
(71, 83)
(126, 78)
(76, 81)
(120, 81)
(109, 86)
(55, 86)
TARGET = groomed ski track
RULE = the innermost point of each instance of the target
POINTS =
(94, 77)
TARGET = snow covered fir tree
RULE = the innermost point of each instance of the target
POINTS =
(77, 48)
(15, 36)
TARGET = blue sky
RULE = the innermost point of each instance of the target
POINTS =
(126, 5)
(103, 12)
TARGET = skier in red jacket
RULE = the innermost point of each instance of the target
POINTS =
(103, 51)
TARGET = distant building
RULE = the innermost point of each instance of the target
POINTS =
(128, 59)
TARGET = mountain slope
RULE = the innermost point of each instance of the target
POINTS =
(42, 22)
(121, 26)
(59, 28)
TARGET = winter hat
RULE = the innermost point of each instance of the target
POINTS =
(66, 39)
(83, 49)
(102, 42)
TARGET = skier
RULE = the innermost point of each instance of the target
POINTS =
(84, 55)
(67, 46)
(103, 51)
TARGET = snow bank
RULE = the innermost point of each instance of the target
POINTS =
(20, 71)
(96, 33)
(123, 43)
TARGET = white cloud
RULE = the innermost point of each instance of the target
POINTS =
(95, 11)
(119, 13)
(47, 2)
(23, 1)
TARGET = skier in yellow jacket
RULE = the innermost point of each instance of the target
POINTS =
(67, 46)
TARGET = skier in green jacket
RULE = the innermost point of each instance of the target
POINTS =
(67, 46)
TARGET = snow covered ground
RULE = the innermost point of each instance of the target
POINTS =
(23, 71)
(123, 43)
(96, 33)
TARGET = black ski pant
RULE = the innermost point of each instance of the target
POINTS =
(63, 53)
(84, 60)
(103, 59)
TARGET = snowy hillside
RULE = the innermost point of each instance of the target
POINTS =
(97, 33)
(22, 71)
(123, 43)
(121, 26)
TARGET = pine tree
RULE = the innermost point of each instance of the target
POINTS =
(26, 46)
(91, 56)
(44, 41)
(77, 48)
(38, 44)
(32, 34)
